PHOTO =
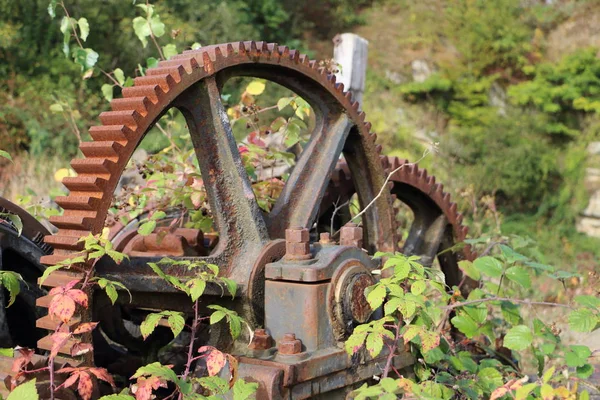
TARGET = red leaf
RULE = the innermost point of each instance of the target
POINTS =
(71, 284)
(215, 362)
(85, 327)
(103, 374)
(145, 386)
(79, 349)
(63, 307)
(59, 339)
(71, 379)
(233, 369)
(66, 370)
(22, 360)
(85, 386)
(78, 296)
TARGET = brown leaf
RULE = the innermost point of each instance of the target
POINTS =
(78, 296)
(23, 359)
(71, 380)
(79, 349)
(103, 374)
(63, 307)
(145, 386)
(85, 327)
(59, 339)
(85, 387)
(233, 369)
(215, 362)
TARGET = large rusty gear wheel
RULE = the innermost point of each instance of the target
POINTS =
(437, 224)
(192, 82)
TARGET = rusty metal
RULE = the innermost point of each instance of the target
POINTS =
(21, 254)
(285, 282)
(297, 245)
(351, 235)
(261, 340)
(289, 344)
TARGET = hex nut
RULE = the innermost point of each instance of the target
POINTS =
(261, 340)
(297, 235)
(289, 345)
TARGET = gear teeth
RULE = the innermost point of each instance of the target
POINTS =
(73, 221)
(85, 184)
(38, 239)
(312, 64)
(367, 126)
(65, 242)
(332, 79)
(107, 148)
(295, 56)
(118, 133)
(86, 203)
(152, 92)
(339, 87)
(139, 104)
(165, 81)
(348, 97)
(177, 72)
(93, 166)
(129, 118)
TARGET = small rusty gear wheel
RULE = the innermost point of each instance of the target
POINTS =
(437, 225)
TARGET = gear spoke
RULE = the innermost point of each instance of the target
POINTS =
(297, 206)
(234, 207)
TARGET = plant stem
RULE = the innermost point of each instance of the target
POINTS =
(528, 302)
(390, 357)
(51, 370)
(190, 357)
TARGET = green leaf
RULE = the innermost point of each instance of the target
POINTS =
(469, 269)
(117, 397)
(197, 287)
(511, 312)
(216, 316)
(374, 344)
(10, 280)
(50, 270)
(585, 371)
(147, 228)
(107, 91)
(588, 301)
(151, 62)
(375, 297)
(256, 87)
(519, 275)
(119, 76)
(176, 322)
(65, 28)
(284, 102)
(52, 8)
(518, 338)
(465, 324)
(86, 58)
(489, 266)
(230, 284)
(583, 320)
(169, 50)
(5, 154)
(16, 221)
(84, 28)
(418, 287)
(158, 370)
(150, 323)
(355, 342)
(491, 378)
(25, 391)
(7, 352)
(158, 215)
(243, 390)
(510, 255)
(577, 355)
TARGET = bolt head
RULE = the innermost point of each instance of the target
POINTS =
(261, 340)
(351, 235)
(297, 235)
(324, 238)
(289, 344)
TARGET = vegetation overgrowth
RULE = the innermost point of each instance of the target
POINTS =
(524, 157)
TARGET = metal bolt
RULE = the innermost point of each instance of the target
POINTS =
(261, 340)
(325, 238)
(351, 235)
(297, 245)
(289, 344)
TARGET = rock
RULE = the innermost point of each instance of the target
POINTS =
(589, 226)
(420, 70)
(593, 148)
(497, 97)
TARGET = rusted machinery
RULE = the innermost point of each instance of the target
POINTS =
(301, 291)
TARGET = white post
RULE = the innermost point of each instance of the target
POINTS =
(350, 51)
